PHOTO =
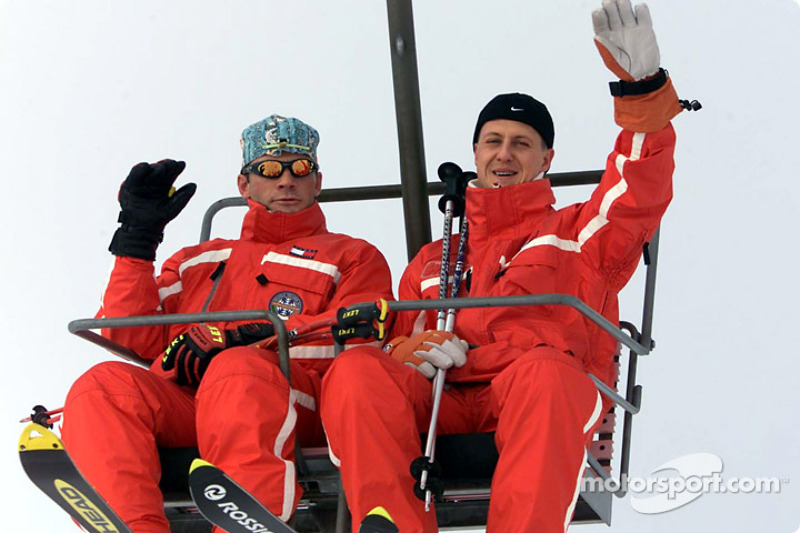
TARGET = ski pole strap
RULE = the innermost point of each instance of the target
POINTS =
(362, 320)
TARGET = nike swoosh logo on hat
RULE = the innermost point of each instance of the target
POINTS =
(516, 108)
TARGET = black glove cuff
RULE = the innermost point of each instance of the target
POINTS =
(129, 241)
(249, 333)
(633, 88)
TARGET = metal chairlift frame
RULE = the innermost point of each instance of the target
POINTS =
(314, 465)
(594, 506)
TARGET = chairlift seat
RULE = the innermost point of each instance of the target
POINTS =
(467, 464)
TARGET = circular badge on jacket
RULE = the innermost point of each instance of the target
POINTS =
(285, 304)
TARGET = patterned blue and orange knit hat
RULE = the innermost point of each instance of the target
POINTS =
(276, 133)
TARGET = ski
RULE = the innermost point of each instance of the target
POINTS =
(227, 505)
(50, 468)
(378, 521)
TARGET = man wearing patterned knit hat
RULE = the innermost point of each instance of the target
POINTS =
(521, 372)
(206, 387)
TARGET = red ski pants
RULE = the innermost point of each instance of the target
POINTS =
(243, 417)
(543, 407)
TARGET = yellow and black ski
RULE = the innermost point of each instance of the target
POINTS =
(378, 521)
(49, 466)
(227, 505)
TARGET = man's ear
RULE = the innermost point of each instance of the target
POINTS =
(548, 159)
(319, 184)
(243, 182)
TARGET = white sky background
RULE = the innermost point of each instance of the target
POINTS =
(90, 88)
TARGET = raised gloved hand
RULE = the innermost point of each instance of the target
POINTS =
(191, 352)
(626, 40)
(428, 351)
(645, 99)
(148, 202)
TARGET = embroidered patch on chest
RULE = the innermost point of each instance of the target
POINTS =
(285, 304)
(303, 252)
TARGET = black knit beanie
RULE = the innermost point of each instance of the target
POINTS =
(521, 108)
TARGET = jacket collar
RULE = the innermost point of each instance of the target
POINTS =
(508, 212)
(262, 225)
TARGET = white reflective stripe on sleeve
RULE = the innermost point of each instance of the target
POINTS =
(601, 219)
(281, 259)
(619, 162)
(593, 418)
(165, 292)
(211, 256)
(428, 283)
(552, 240)
(636, 148)
(433, 282)
(280, 441)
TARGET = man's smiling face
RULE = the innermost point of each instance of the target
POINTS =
(510, 152)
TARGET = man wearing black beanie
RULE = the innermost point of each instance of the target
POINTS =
(521, 372)
(527, 121)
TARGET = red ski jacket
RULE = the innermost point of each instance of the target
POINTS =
(519, 244)
(287, 263)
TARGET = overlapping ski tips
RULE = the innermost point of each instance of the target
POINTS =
(49, 467)
(227, 505)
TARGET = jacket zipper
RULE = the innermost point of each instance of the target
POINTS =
(216, 276)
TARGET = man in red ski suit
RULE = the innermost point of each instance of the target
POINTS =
(521, 372)
(206, 387)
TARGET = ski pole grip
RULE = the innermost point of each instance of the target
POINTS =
(363, 331)
(455, 186)
(363, 320)
(362, 313)
(41, 416)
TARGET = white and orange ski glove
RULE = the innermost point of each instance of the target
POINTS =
(624, 35)
(428, 351)
(645, 99)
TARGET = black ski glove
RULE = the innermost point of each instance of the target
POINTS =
(148, 203)
(191, 352)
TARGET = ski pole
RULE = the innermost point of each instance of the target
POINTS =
(438, 384)
(451, 204)
(293, 334)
